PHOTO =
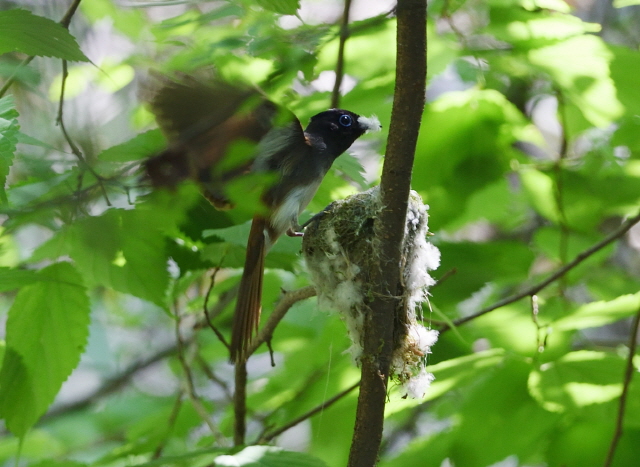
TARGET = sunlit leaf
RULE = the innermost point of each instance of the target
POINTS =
(600, 313)
(578, 379)
(580, 66)
(284, 7)
(8, 138)
(47, 330)
(22, 31)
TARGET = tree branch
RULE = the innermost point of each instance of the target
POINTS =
(616, 234)
(112, 384)
(344, 35)
(628, 375)
(406, 115)
(286, 302)
(267, 437)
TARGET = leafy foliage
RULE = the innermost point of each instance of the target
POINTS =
(528, 156)
(17, 29)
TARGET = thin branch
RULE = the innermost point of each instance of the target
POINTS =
(191, 390)
(559, 191)
(628, 375)
(240, 402)
(171, 421)
(265, 334)
(112, 384)
(206, 305)
(65, 21)
(74, 149)
(406, 115)
(286, 302)
(213, 377)
(344, 35)
(267, 437)
(534, 289)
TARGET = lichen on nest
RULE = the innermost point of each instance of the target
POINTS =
(341, 250)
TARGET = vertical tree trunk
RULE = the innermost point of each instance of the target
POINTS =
(406, 115)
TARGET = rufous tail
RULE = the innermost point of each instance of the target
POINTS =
(248, 306)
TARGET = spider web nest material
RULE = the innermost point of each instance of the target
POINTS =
(341, 251)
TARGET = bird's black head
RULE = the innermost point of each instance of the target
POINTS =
(337, 129)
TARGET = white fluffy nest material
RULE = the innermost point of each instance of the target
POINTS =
(340, 251)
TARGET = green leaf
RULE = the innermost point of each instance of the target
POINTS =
(600, 313)
(537, 28)
(498, 406)
(122, 249)
(475, 133)
(624, 3)
(580, 66)
(352, 168)
(54, 463)
(21, 31)
(11, 279)
(8, 138)
(267, 456)
(47, 330)
(138, 147)
(284, 7)
(539, 188)
(576, 380)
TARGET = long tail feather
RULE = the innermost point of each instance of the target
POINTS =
(248, 306)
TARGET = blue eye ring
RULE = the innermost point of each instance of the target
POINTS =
(345, 120)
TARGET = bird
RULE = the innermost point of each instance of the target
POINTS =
(204, 122)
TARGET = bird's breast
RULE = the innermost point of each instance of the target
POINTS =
(286, 214)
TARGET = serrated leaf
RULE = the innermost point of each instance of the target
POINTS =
(600, 313)
(267, 456)
(22, 31)
(140, 146)
(9, 129)
(352, 168)
(11, 279)
(284, 7)
(47, 330)
(122, 249)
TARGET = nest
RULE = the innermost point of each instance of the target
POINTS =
(340, 249)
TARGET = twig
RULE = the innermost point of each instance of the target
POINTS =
(74, 149)
(534, 289)
(65, 21)
(286, 302)
(111, 385)
(240, 402)
(406, 114)
(265, 438)
(265, 334)
(344, 35)
(212, 376)
(559, 187)
(171, 421)
(628, 375)
(191, 390)
(206, 305)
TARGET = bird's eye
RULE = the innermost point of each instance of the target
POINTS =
(345, 120)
